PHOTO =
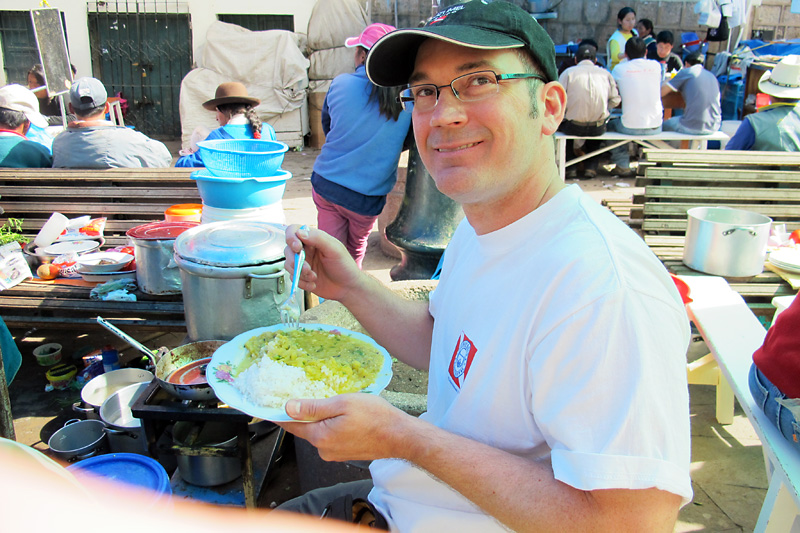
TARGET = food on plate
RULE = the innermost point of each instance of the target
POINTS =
(304, 363)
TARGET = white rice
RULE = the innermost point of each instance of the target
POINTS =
(271, 383)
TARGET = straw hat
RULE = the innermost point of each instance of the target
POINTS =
(783, 81)
(231, 92)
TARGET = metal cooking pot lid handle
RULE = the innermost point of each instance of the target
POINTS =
(749, 230)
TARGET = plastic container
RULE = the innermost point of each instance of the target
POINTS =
(51, 229)
(241, 192)
(60, 375)
(183, 213)
(270, 213)
(242, 158)
(48, 354)
(130, 468)
(110, 359)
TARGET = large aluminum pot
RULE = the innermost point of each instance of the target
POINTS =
(78, 439)
(101, 387)
(232, 277)
(175, 369)
(124, 431)
(205, 470)
(156, 272)
(726, 242)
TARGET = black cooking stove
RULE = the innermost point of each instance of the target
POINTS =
(158, 410)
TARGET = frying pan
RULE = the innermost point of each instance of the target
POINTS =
(184, 361)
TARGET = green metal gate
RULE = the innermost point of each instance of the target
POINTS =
(18, 43)
(142, 50)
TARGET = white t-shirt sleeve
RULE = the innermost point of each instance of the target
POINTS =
(611, 420)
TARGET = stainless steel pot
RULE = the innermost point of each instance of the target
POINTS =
(726, 242)
(124, 431)
(101, 387)
(79, 439)
(232, 277)
(180, 358)
(206, 470)
(156, 272)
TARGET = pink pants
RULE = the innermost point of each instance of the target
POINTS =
(350, 228)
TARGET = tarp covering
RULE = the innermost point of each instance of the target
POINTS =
(331, 22)
(269, 63)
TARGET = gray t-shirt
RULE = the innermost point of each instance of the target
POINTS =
(700, 90)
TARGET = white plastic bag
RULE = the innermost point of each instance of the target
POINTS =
(709, 12)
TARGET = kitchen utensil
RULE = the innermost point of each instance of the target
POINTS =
(103, 262)
(181, 359)
(240, 192)
(65, 247)
(78, 439)
(290, 308)
(235, 266)
(124, 431)
(131, 469)
(241, 158)
(726, 242)
(99, 388)
(230, 355)
(206, 470)
(156, 271)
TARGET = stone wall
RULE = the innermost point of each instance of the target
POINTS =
(577, 19)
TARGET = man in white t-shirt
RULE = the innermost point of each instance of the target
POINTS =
(639, 83)
(553, 340)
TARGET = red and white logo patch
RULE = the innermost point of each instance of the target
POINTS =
(461, 361)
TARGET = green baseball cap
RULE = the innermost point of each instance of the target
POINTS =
(475, 24)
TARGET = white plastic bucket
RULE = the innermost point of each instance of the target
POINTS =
(269, 213)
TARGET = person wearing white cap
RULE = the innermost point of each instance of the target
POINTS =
(18, 110)
(365, 130)
(93, 142)
(776, 127)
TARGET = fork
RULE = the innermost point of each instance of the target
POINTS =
(290, 308)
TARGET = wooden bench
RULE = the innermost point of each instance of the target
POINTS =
(732, 334)
(648, 141)
(677, 180)
(127, 198)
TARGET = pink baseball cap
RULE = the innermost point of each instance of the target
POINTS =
(369, 36)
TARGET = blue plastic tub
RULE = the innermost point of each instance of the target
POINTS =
(241, 192)
(131, 468)
(242, 158)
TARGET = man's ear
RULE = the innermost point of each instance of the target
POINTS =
(26, 126)
(71, 109)
(555, 104)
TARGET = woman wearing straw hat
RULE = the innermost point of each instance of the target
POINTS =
(776, 127)
(237, 119)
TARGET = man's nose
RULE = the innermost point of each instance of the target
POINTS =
(448, 110)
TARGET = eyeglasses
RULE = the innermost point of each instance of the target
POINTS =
(467, 88)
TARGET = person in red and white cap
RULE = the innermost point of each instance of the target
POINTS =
(365, 129)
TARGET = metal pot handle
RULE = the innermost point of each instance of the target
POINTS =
(78, 409)
(274, 275)
(279, 276)
(748, 229)
(70, 421)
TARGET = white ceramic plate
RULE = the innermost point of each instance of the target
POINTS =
(113, 261)
(102, 277)
(787, 259)
(229, 355)
(65, 247)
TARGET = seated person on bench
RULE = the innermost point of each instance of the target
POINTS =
(776, 127)
(775, 372)
(700, 90)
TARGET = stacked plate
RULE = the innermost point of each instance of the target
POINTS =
(786, 259)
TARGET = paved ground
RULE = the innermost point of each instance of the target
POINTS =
(727, 465)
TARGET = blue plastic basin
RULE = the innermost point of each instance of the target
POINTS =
(240, 192)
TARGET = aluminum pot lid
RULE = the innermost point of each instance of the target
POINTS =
(233, 243)
(159, 230)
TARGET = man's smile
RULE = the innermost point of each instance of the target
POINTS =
(443, 149)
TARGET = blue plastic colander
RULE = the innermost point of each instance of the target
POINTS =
(243, 158)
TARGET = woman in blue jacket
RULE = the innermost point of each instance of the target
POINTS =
(237, 118)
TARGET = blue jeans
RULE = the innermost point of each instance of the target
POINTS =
(619, 155)
(766, 395)
(674, 124)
